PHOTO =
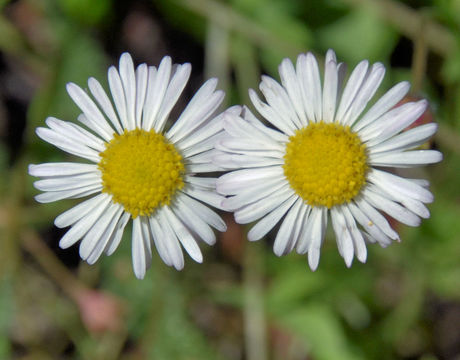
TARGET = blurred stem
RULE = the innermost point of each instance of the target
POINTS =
(407, 20)
(419, 58)
(216, 57)
(51, 264)
(228, 18)
(255, 327)
(246, 68)
(12, 220)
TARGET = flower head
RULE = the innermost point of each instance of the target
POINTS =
(136, 170)
(325, 159)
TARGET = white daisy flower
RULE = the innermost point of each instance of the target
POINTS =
(325, 159)
(138, 170)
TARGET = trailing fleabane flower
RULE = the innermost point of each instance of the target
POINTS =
(324, 159)
(139, 171)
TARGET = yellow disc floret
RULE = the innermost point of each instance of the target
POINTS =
(141, 170)
(325, 164)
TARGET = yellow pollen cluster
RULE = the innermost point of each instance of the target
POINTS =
(325, 164)
(141, 170)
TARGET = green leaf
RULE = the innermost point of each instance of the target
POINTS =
(359, 35)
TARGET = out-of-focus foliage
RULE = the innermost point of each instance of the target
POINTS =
(404, 303)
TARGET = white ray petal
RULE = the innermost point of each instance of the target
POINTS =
(292, 86)
(74, 214)
(204, 212)
(128, 79)
(61, 169)
(343, 236)
(171, 242)
(289, 230)
(118, 95)
(269, 221)
(184, 236)
(82, 226)
(175, 88)
(142, 75)
(405, 159)
(138, 250)
(351, 89)
(384, 104)
(91, 111)
(393, 209)
(104, 102)
(156, 91)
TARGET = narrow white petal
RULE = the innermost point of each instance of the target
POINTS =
(279, 100)
(272, 133)
(292, 86)
(94, 237)
(352, 87)
(393, 126)
(68, 145)
(117, 234)
(289, 230)
(416, 206)
(375, 232)
(175, 88)
(142, 75)
(128, 79)
(171, 242)
(74, 214)
(376, 218)
(68, 194)
(118, 95)
(357, 237)
(391, 183)
(91, 111)
(75, 133)
(384, 104)
(237, 161)
(406, 158)
(249, 196)
(104, 102)
(68, 182)
(316, 233)
(156, 91)
(106, 237)
(138, 250)
(343, 236)
(269, 221)
(81, 227)
(195, 223)
(233, 182)
(330, 90)
(207, 197)
(61, 169)
(203, 182)
(268, 113)
(365, 93)
(146, 235)
(262, 207)
(159, 238)
(193, 118)
(303, 78)
(237, 127)
(184, 236)
(204, 212)
(407, 140)
(393, 209)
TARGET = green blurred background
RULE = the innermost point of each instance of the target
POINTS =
(243, 302)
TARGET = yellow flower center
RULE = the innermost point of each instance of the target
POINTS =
(325, 164)
(141, 170)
